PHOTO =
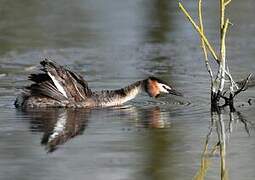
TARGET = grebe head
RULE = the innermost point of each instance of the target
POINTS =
(154, 87)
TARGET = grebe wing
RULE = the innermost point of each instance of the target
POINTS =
(44, 88)
(59, 83)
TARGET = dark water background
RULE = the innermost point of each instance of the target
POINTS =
(113, 43)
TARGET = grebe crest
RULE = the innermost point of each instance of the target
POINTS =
(57, 86)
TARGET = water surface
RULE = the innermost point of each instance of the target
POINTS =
(114, 43)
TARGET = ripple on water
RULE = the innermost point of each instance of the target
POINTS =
(182, 109)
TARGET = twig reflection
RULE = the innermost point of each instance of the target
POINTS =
(218, 121)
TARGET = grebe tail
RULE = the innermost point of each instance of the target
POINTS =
(55, 86)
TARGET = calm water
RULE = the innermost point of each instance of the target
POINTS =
(113, 43)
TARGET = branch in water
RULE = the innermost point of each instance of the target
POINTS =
(244, 86)
(218, 85)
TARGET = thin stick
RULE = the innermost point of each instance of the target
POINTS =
(223, 55)
(199, 31)
(233, 83)
(202, 41)
(222, 16)
(244, 86)
(221, 72)
(226, 3)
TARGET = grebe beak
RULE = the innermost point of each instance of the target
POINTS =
(167, 89)
(174, 92)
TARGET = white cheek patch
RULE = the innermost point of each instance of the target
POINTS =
(164, 88)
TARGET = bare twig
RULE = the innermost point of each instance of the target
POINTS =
(208, 67)
(227, 2)
(233, 83)
(244, 86)
(223, 54)
(222, 16)
(218, 85)
(210, 48)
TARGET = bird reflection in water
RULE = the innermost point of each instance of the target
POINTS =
(58, 125)
(61, 125)
(154, 117)
(223, 131)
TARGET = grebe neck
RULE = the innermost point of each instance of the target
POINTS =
(107, 98)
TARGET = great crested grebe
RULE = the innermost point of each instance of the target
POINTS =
(57, 86)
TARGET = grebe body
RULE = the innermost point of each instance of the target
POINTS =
(57, 86)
